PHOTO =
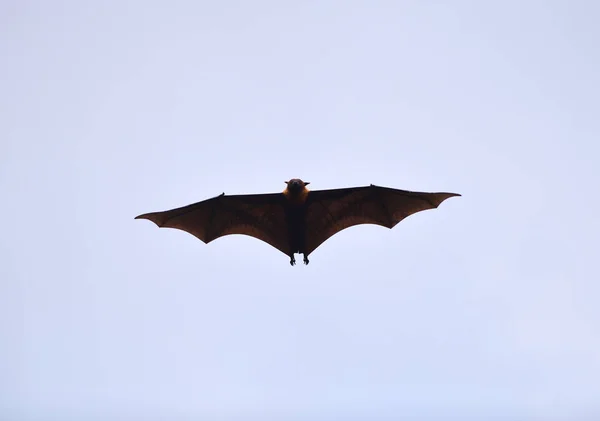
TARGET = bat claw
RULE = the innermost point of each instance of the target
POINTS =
(306, 260)
(292, 260)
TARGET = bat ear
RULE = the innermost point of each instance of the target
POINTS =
(306, 183)
(286, 182)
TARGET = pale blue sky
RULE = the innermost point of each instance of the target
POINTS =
(486, 307)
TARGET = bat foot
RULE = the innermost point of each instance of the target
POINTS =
(292, 260)
(306, 260)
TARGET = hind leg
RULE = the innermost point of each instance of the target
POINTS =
(306, 259)
(292, 260)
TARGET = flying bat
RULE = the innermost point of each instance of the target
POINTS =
(296, 220)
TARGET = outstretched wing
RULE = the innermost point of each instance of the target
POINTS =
(257, 215)
(331, 211)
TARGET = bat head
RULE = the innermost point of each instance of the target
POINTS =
(295, 185)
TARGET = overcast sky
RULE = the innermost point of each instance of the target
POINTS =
(485, 307)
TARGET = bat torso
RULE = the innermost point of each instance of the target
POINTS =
(295, 205)
(295, 216)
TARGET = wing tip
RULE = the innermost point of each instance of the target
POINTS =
(445, 196)
(149, 216)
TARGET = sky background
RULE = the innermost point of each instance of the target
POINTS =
(486, 308)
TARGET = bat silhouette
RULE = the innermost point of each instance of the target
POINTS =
(296, 220)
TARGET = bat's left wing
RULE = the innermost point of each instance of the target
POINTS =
(261, 216)
(331, 211)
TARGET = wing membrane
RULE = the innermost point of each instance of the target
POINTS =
(331, 211)
(260, 216)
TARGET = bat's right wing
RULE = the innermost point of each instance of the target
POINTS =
(331, 211)
(260, 216)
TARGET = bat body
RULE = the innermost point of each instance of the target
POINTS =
(296, 220)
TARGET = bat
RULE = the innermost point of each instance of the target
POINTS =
(296, 220)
